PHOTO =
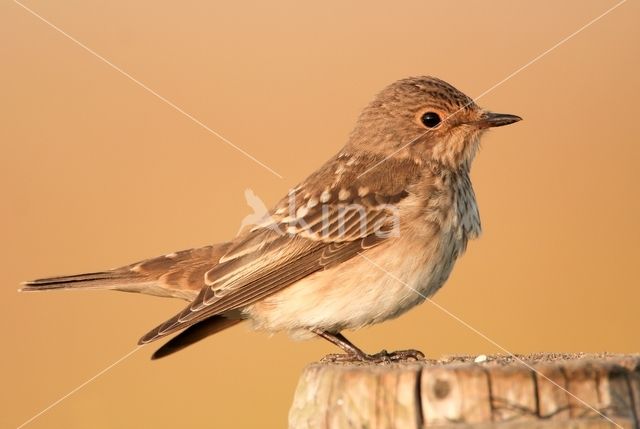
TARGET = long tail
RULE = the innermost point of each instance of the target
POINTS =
(177, 275)
(100, 280)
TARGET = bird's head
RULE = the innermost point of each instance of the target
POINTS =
(425, 118)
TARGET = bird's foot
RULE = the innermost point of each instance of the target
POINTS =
(402, 355)
(380, 357)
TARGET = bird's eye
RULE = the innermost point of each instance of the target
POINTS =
(430, 119)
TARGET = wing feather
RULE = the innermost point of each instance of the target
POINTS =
(297, 242)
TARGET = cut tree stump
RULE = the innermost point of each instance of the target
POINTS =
(544, 391)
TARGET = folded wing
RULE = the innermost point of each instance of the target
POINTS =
(321, 224)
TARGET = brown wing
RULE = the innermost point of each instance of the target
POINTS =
(282, 261)
(195, 333)
(181, 272)
(317, 226)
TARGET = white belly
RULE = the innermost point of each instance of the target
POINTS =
(381, 284)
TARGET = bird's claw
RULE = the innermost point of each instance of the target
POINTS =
(380, 357)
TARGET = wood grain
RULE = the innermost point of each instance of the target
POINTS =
(545, 391)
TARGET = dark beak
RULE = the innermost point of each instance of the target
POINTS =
(490, 119)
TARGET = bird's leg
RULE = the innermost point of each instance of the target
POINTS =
(354, 354)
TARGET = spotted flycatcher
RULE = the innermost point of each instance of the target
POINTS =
(370, 234)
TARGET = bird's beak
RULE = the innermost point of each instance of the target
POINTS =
(490, 119)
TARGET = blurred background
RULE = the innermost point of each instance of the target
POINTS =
(96, 172)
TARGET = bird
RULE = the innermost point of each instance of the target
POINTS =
(373, 232)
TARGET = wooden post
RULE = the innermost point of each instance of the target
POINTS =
(544, 391)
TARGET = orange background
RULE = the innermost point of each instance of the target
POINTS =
(96, 172)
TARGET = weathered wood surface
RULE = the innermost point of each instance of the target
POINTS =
(545, 391)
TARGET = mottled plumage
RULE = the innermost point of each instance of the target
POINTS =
(366, 237)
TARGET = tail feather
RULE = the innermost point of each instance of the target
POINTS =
(176, 275)
(98, 280)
